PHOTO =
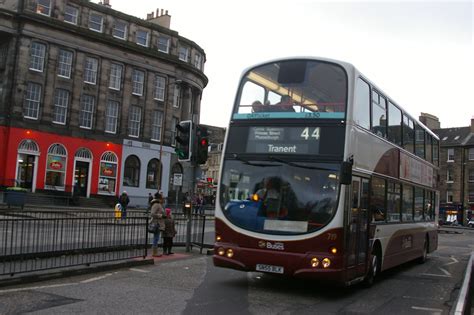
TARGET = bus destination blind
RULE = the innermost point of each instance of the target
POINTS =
(283, 140)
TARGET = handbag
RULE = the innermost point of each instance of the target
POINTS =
(153, 228)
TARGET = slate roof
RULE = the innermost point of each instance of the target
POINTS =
(458, 136)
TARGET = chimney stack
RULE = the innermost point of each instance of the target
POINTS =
(150, 16)
(107, 4)
(161, 18)
(472, 124)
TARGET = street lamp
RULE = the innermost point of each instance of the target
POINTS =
(162, 135)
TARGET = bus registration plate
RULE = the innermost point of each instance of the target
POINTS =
(269, 268)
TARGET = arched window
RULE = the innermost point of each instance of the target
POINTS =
(84, 153)
(152, 172)
(131, 173)
(56, 167)
(28, 147)
(108, 173)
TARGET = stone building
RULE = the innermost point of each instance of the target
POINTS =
(90, 98)
(456, 175)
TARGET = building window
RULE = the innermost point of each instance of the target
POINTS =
(134, 121)
(120, 30)
(138, 80)
(43, 7)
(183, 53)
(471, 154)
(159, 91)
(152, 174)
(449, 196)
(86, 114)
(471, 196)
(451, 155)
(142, 38)
(56, 167)
(449, 177)
(111, 116)
(90, 70)
(198, 61)
(177, 97)
(32, 101)
(115, 76)
(61, 100)
(107, 173)
(64, 63)
(156, 125)
(96, 22)
(174, 121)
(471, 175)
(71, 14)
(131, 173)
(164, 44)
(37, 53)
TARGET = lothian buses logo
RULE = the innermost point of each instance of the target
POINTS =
(270, 245)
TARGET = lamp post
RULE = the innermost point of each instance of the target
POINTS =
(163, 127)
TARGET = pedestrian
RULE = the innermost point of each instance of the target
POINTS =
(169, 233)
(150, 198)
(124, 201)
(157, 219)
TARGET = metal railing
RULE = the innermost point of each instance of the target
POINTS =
(36, 240)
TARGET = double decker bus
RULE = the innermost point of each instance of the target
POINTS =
(323, 176)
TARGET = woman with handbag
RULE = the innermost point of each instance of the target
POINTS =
(157, 223)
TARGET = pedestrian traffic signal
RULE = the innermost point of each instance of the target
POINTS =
(184, 140)
(202, 145)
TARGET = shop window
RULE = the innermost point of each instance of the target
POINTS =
(108, 173)
(56, 167)
(131, 174)
(152, 174)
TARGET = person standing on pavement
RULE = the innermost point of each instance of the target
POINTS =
(150, 199)
(124, 201)
(168, 233)
(157, 217)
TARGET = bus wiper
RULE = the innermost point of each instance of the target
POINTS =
(296, 164)
(235, 156)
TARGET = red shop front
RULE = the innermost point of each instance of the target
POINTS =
(43, 161)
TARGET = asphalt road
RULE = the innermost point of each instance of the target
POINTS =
(190, 284)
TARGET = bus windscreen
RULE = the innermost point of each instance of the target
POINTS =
(293, 89)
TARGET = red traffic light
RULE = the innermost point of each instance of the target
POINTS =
(204, 142)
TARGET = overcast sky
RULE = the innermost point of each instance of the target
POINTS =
(419, 53)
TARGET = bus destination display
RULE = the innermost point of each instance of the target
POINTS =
(283, 140)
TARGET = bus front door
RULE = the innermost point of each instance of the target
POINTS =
(356, 228)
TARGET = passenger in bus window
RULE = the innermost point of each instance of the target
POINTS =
(257, 106)
(285, 104)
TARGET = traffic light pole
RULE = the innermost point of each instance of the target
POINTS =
(190, 213)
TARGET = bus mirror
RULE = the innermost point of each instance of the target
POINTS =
(346, 173)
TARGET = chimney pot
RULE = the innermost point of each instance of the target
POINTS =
(166, 12)
(157, 12)
(162, 11)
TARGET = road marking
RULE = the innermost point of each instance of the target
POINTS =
(446, 273)
(428, 309)
(139, 270)
(39, 287)
(96, 278)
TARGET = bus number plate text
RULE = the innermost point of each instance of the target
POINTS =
(269, 268)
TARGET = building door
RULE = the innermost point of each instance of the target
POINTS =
(26, 167)
(81, 178)
(357, 228)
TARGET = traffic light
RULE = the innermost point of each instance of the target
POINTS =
(202, 145)
(184, 141)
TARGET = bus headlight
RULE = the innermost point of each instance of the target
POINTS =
(326, 262)
(314, 262)
(221, 251)
(230, 253)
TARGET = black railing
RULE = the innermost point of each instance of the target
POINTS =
(35, 240)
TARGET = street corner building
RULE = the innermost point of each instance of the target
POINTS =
(90, 98)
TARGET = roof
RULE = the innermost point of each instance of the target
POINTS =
(457, 136)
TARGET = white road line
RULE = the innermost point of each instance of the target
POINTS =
(39, 287)
(428, 309)
(139, 270)
(96, 278)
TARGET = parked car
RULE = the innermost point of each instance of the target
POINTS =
(470, 223)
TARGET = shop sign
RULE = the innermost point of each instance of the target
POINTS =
(108, 169)
(56, 163)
